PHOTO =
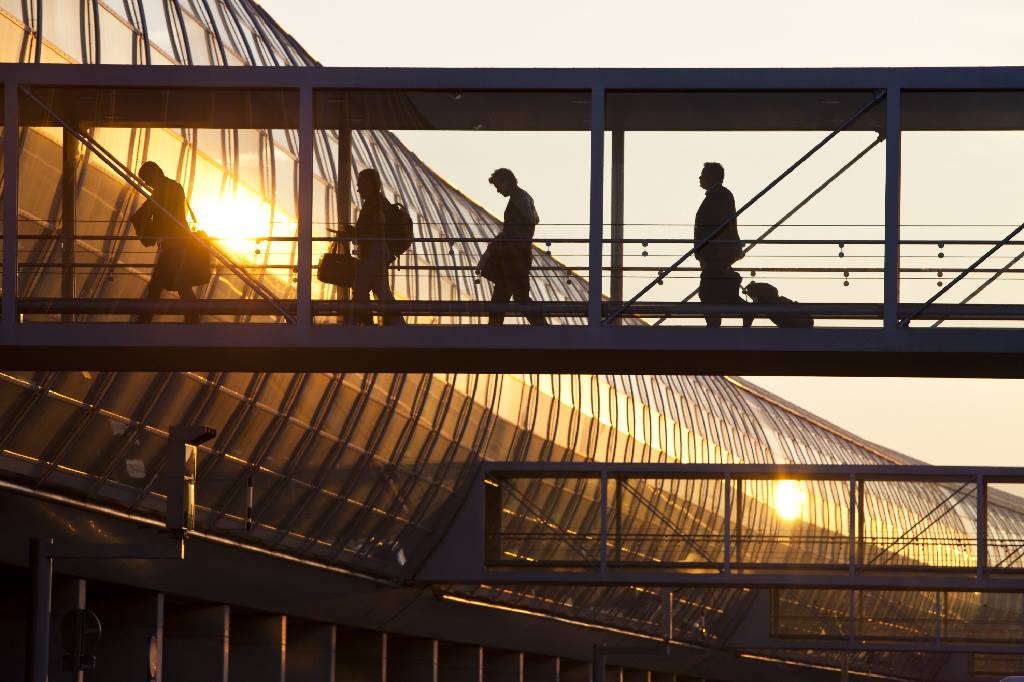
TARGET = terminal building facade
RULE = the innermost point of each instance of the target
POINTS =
(352, 476)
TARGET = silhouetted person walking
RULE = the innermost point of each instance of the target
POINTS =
(371, 240)
(509, 256)
(719, 282)
(161, 221)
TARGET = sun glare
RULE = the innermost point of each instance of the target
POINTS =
(237, 223)
(789, 499)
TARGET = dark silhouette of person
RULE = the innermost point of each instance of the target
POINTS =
(719, 282)
(370, 236)
(161, 221)
(510, 254)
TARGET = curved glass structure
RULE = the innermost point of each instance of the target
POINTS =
(355, 469)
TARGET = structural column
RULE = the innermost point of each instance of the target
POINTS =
(343, 192)
(12, 139)
(304, 257)
(132, 641)
(596, 205)
(311, 652)
(618, 214)
(893, 167)
(360, 656)
(196, 643)
(68, 220)
(257, 647)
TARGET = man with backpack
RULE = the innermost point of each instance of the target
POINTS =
(381, 233)
(508, 258)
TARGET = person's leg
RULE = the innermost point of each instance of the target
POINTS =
(706, 293)
(502, 294)
(186, 294)
(361, 293)
(381, 287)
(521, 294)
(731, 282)
(153, 291)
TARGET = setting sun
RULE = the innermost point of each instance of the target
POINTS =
(238, 223)
(789, 499)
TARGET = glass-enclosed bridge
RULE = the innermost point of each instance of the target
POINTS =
(440, 525)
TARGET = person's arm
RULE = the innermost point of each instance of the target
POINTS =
(143, 216)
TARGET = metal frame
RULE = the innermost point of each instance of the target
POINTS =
(888, 350)
(460, 557)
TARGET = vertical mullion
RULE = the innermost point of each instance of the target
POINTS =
(304, 257)
(893, 166)
(596, 204)
(12, 137)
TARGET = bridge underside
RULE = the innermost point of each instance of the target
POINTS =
(605, 350)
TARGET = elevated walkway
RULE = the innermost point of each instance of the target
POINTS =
(273, 315)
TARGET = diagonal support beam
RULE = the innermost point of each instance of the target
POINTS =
(905, 322)
(878, 96)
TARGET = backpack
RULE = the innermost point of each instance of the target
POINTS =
(397, 229)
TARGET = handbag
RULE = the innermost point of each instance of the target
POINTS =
(198, 266)
(336, 268)
(489, 266)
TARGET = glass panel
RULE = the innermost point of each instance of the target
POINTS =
(156, 25)
(117, 7)
(14, 7)
(117, 39)
(12, 34)
(198, 41)
(228, 30)
(62, 26)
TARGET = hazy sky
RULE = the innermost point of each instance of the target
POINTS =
(941, 421)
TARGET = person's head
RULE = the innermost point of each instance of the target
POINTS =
(368, 183)
(504, 181)
(711, 175)
(151, 173)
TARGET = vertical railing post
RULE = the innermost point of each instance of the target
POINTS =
(596, 205)
(852, 525)
(893, 168)
(344, 195)
(737, 547)
(304, 286)
(618, 217)
(41, 576)
(981, 513)
(603, 535)
(618, 518)
(68, 219)
(860, 523)
(727, 526)
(12, 138)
